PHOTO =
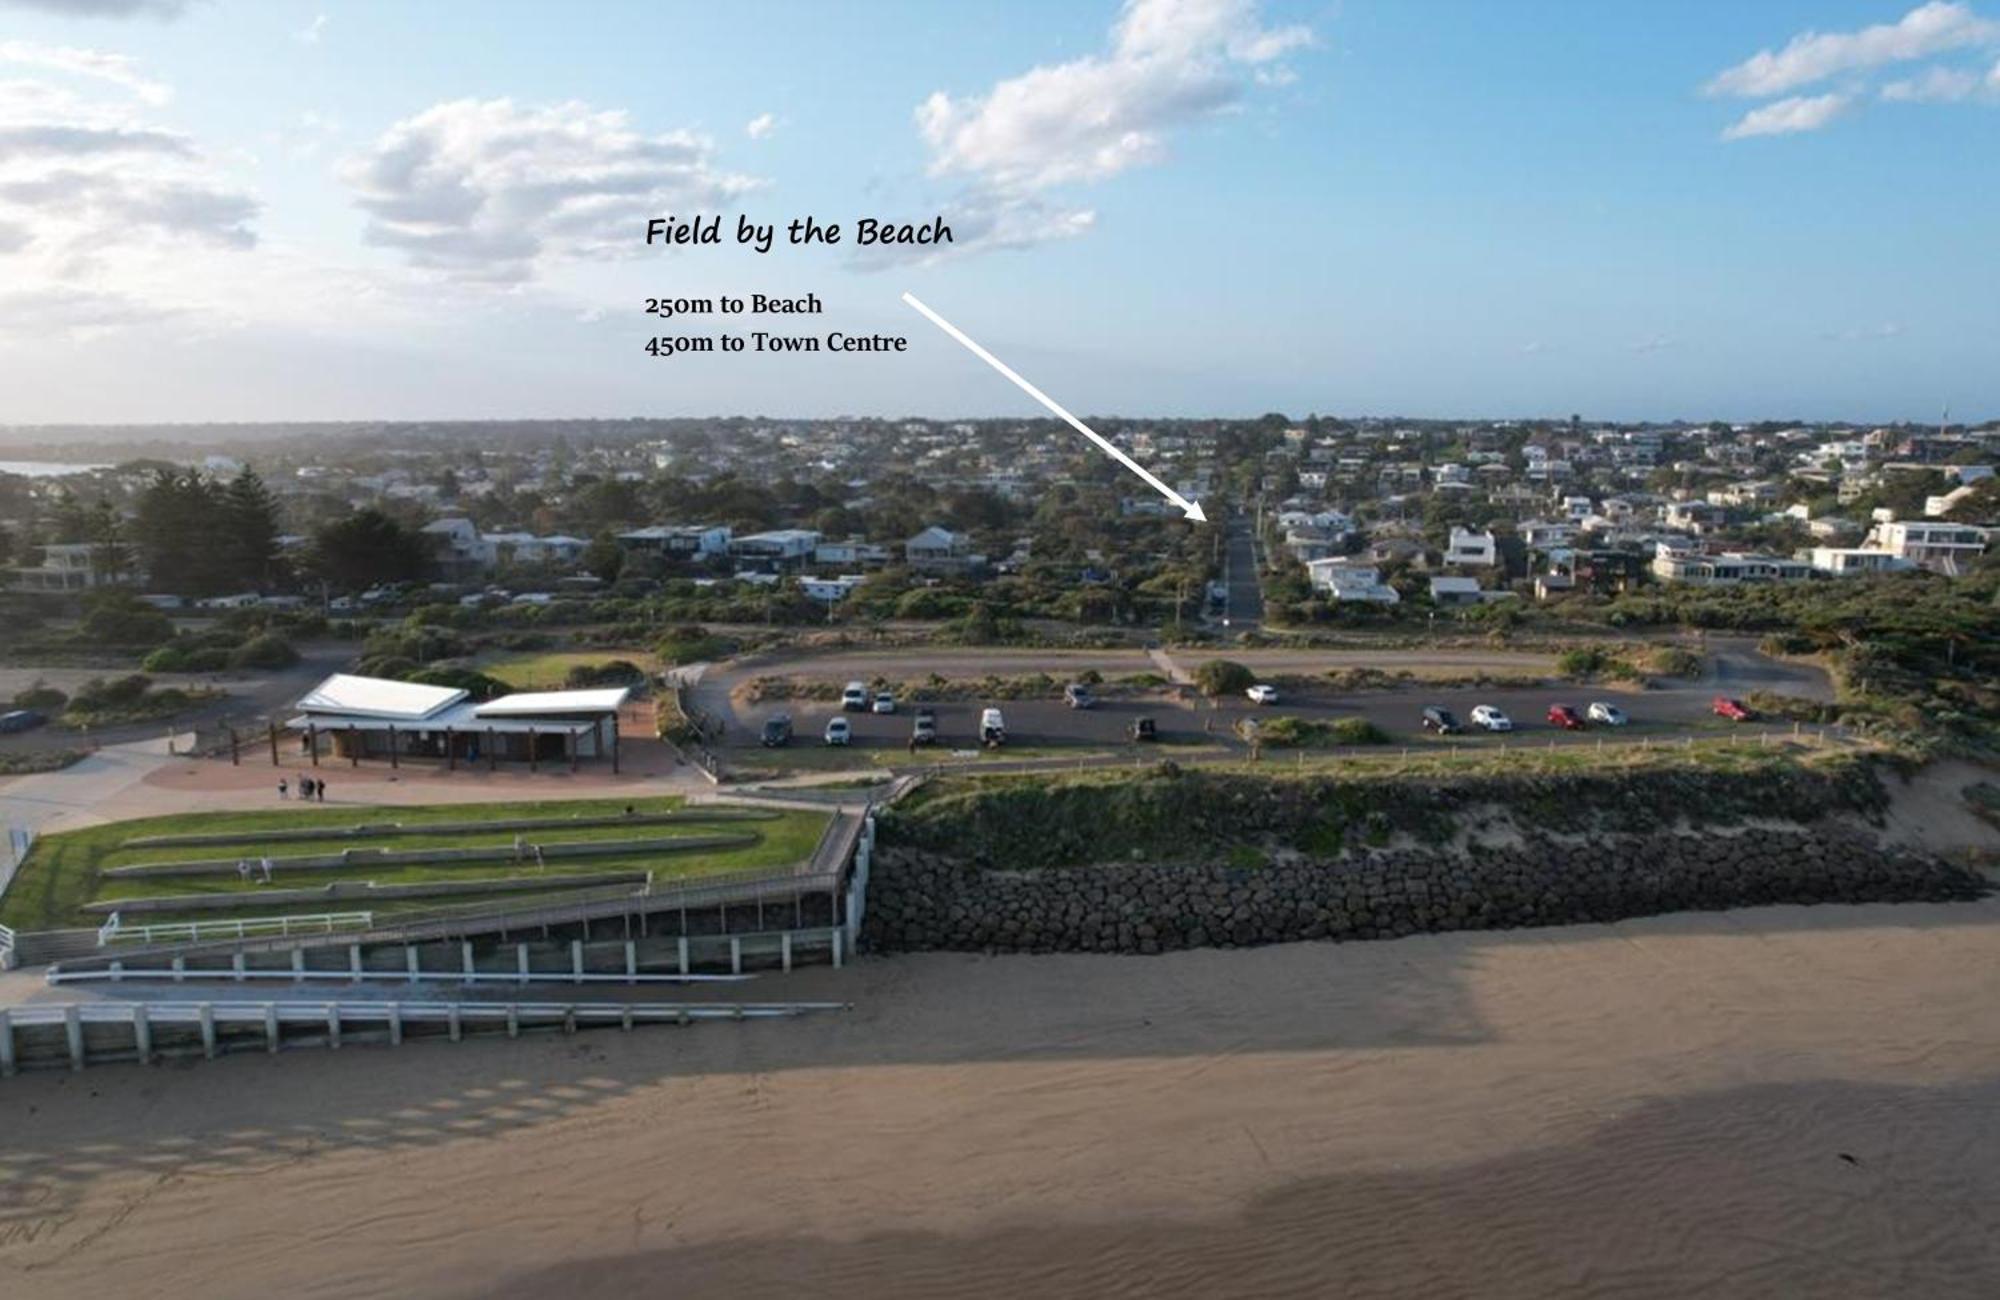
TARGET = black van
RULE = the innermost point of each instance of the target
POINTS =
(1442, 721)
(20, 720)
(777, 730)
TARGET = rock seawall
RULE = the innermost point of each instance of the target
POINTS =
(921, 900)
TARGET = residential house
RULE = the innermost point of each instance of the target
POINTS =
(940, 550)
(1946, 548)
(1342, 580)
(1471, 549)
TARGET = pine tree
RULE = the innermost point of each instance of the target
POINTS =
(249, 523)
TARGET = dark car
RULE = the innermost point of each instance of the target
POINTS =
(1562, 715)
(1142, 729)
(1443, 721)
(1078, 696)
(21, 720)
(777, 730)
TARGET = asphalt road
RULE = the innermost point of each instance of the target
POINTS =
(1244, 606)
(248, 696)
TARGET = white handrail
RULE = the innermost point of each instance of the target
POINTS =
(235, 927)
(6, 948)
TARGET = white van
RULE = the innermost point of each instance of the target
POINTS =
(854, 697)
(992, 728)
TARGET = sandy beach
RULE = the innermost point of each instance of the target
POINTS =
(1775, 1102)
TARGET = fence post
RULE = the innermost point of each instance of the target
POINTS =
(73, 1031)
(6, 1044)
(271, 1028)
(142, 1033)
(207, 1013)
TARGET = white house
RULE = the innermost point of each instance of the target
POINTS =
(1470, 548)
(1343, 580)
(1851, 561)
(1726, 569)
(1947, 548)
(831, 590)
(851, 551)
(65, 566)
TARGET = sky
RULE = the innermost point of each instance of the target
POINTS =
(227, 210)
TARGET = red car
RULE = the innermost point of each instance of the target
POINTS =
(1562, 715)
(1731, 708)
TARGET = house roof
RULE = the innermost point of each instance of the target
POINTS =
(550, 703)
(380, 698)
(934, 536)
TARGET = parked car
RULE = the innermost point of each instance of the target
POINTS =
(777, 730)
(992, 728)
(1491, 718)
(1078, 696)
(1728, 706)
(21, 720)
(1562, 715)
(1142, 729)
(885, 702)
(854, 697)
(1443, 721)
(925, 730)
(838, 732)
(1607, 713)
(1262, 694)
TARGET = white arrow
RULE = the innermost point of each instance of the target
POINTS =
(1191, 508)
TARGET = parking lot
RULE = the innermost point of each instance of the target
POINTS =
(1182, 717)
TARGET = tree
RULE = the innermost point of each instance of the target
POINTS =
(368, 548)
(604, 557)
(1224, 677)
(248, 527)
(109, 554)
(174, 528)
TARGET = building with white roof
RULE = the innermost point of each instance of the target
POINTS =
(355, 717)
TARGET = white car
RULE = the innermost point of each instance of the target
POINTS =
(884, 702)
(1491, 718)
(1262, 694)
(1607, 713)
(838, 732)
(854, 697)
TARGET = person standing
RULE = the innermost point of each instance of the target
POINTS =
(266, 864)
(319, 790)
(284, 788)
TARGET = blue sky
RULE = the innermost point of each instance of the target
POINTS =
(1206, 206)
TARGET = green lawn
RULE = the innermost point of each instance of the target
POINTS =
(547, 672)
(61, 875)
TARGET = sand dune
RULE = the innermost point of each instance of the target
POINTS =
(1771, 1103)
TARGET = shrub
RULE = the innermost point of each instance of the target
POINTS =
(1675, 661)
(126, 623)
(1358, 731)
(475, 684)
(267, 651)
(1224, 677)
(101, 695)
(614, 672)
(692, 643)
(41, 697)
(180, 658)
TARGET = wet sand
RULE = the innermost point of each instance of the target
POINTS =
(1777, 1102)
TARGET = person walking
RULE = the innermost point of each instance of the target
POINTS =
(284, 788)
(243, 870)
(266, 864)
(319, 790)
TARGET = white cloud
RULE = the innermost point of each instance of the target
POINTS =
(1788, 116)
(115, 68)
(1928, 29)
(490, 190)
(162, 9)
(1942, 85)
(312, 31)
(1656, 343)
(1170, 63)
(761, 126)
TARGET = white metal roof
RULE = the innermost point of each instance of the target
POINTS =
(551, 703)
(378, 697)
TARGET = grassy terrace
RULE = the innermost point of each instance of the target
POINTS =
(62, 875)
